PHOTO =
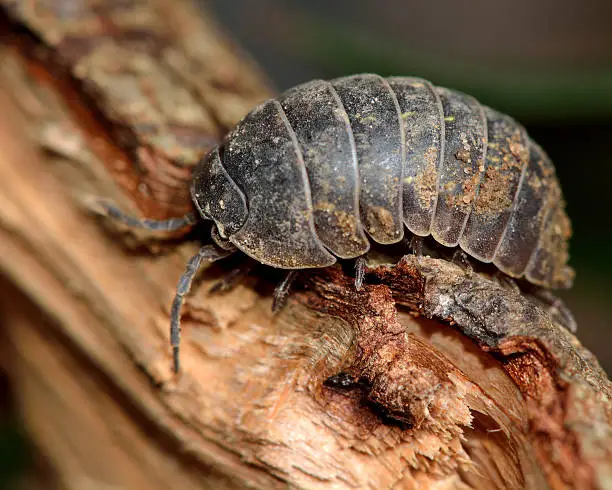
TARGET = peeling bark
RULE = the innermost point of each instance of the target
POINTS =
(430, 377)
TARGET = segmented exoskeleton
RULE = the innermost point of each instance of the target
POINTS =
(329, 167)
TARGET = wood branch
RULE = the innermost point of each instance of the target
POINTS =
(430, 377)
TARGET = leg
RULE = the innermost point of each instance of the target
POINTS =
(556, 308)
(208, 253)
(462, 260)
(506, 281)
(106, 208)
(416, 245)
(232, 278)
(360, 272)
(282, 290)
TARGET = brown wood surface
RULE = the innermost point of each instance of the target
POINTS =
(450, 379)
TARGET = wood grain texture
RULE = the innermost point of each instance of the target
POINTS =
(430, 377)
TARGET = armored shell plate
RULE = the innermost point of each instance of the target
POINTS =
(324, 135)
(527, 219)
(507, 156)
(423, 120)
(375, 120)
(264, 160)
(462, 164)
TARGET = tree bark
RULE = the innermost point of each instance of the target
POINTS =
(432, 376)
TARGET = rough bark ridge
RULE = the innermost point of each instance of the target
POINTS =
(430, 377)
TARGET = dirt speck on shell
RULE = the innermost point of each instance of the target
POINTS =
(493, 194)
(380, 218)
(425, 185)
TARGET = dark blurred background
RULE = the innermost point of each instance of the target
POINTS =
(548, 63)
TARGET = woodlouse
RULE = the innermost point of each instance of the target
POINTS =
(329, 166)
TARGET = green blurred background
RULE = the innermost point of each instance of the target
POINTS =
(548, 63)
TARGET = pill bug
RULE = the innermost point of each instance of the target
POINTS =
(331, 167)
